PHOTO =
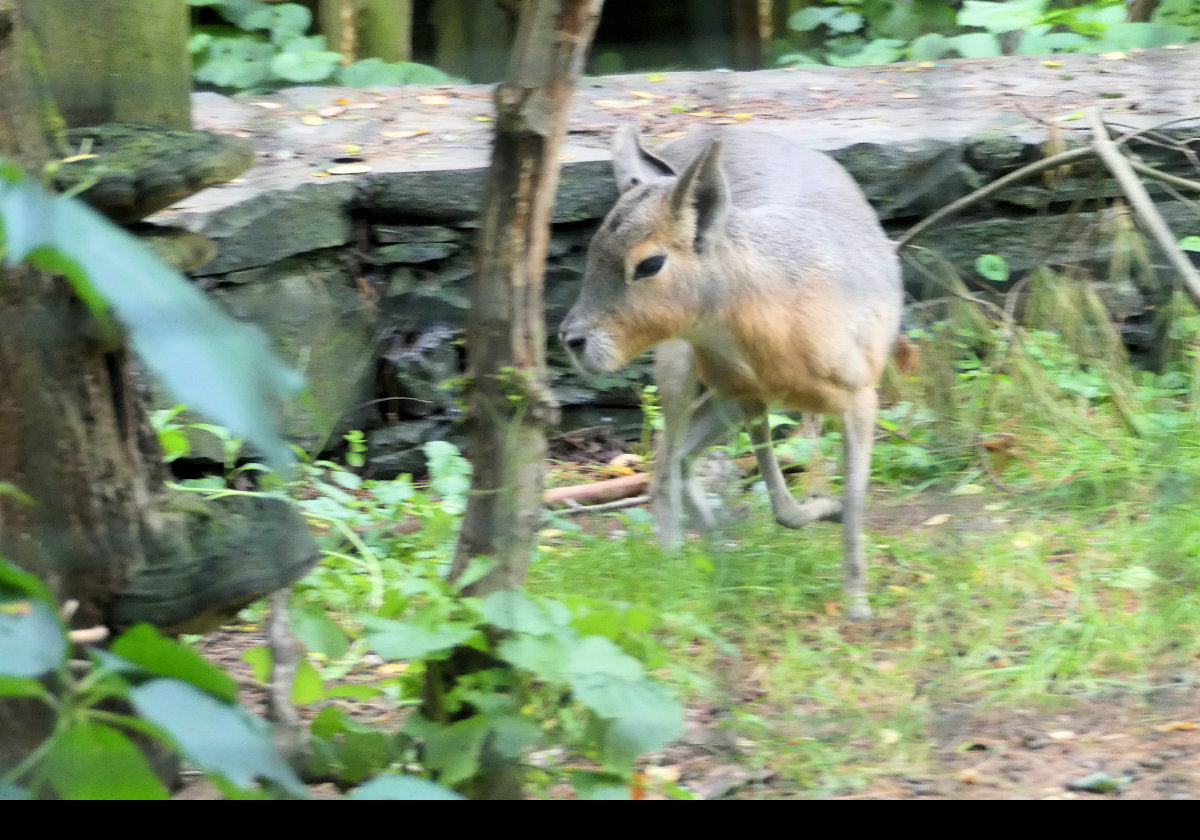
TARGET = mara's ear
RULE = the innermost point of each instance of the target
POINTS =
(633, 165)
(701, 197)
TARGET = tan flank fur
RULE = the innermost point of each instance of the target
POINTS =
(760, 271)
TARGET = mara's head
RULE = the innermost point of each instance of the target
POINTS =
(644, 281)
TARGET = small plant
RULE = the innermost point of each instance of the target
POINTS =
(266, 46)
(852, 32)
(142, 686)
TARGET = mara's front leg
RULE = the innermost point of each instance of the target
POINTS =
(693, 420)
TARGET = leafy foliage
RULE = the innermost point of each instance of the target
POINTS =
(860, 32)
(89, 753)
(265, 46)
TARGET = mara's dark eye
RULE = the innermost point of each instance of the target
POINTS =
(649, 266)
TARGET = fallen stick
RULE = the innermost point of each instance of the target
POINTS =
(599, 491)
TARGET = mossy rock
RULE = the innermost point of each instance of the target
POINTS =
(128, 172)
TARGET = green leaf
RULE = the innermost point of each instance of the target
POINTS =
(260, 661)
(592, 785)
(401, 640)
(7, 488)
(405, 788)
(354, 691)
(1033, 43)
(512, 609)
(16, 581)
(93, 761)
(641, 716)
(218, 737)
(1128, 36)
(144, 647)
(1190, 243)
(929, 47)
(511, 734)
(837, 20)
(1005, 16)
(242, 63)
(596, 655)
(318, 631)
(976, 45)
(453, 751)
(291, 21)
(305, 66)
(879, 51)
(1137, 578)
(174, 443)
(543, 656)
(475, 571)
(32, 641)
(353, 750)
(218, 366)
(307, 687)
(993, 267)
(21, 687)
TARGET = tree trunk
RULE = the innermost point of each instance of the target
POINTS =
(385, 30)
(75, 438)
(115, 60)
(509, 400)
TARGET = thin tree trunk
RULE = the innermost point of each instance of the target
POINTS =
(510, 403)
(385, 28)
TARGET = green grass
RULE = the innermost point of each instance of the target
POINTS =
(1032, 544)
(1086, 584)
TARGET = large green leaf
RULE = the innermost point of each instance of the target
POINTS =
(239, 62)
(318, 631)
(453, 751)
(1007, 16)
(402, 788)
(218, 366)
(641, 716)
(32, 642)
(401, 640)
(219, 737)
(93, 761)
(143, 646)
(543, 656)
(355, 751)
(512, 609)
(598, 655)
(305, 65)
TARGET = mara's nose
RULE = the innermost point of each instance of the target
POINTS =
(570, 334)
(574, 341)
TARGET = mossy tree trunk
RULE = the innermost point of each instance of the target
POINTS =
(115, 60)
(103, 528)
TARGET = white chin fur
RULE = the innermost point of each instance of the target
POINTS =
(597, 357)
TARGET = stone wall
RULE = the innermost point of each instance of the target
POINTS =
(361, 278)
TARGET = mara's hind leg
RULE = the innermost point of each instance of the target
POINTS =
(859, 436)
(788, 512)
